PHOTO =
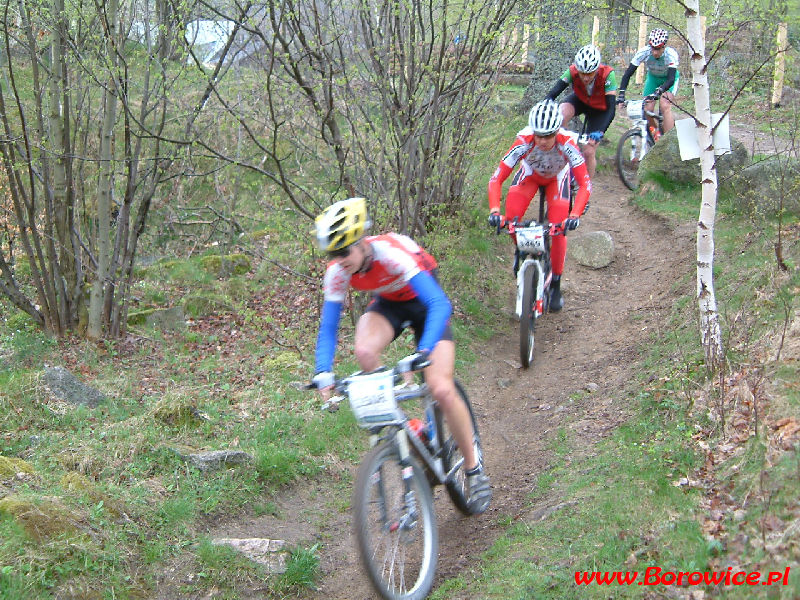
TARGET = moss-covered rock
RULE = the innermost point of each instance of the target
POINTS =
(226, 266)
(163, 319)
(756, 189)
(77, 482)
(203, 305)
(663, 161)
(178, 412)
(9, 467)
(42, 521)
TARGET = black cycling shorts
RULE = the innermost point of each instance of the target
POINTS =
(594, 117)
(408, 313)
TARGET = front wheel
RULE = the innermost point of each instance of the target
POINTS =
(527, 320)
(452, 457)
(395, 524)
(630, 151)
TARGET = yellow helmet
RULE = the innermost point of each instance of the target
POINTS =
(342, 224)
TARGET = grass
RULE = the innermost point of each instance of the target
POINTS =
(631, 483)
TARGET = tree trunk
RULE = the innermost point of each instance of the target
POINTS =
(709, 317)
(105, 184)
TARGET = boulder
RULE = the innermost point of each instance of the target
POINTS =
(663, 162)
(594, 249)
(756, 189)
(226, 266)
(64, 386)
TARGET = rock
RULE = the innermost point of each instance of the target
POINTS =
(215, 459)
(10, 466)
(270, 553)
(226, 266)
(663, 162)
(64, 386)
(756, 189)
(594, 249)
(42, 521)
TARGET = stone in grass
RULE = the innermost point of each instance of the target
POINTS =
(44, 520)
(214, 459)
(270, 553)
(64, 386)
(10, 467)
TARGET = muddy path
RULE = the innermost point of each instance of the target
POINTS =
(591, 344)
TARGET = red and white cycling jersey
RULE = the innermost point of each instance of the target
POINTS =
(532, 159)
(396, 258)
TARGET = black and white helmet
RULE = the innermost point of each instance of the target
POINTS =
(657, 38)
(545, 118)
(587, 60)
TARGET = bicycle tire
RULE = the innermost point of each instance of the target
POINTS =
(399, 551)
(451, 455)
(630, 151)
(527, 318)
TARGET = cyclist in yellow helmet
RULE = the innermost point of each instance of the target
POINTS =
(402, 277)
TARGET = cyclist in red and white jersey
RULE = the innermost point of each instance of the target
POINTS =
(402, 277)
(541, 150)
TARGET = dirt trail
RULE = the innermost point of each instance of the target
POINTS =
(594, 340)
(608, 313)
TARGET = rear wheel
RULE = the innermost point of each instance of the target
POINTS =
(395, 525)
(630, 151)
(527, 319)
(452, 457)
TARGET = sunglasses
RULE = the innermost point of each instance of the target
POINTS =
(659, 47)
(340, 253)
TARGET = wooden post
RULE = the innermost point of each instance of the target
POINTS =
(595, 30)
(780, 65)
(642, 40)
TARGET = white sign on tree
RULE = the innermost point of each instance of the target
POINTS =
(687, 137)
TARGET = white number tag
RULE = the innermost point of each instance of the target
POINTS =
(372, 398)
(531, 239)
(634, 109)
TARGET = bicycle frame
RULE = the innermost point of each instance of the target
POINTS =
(638, 114)
(399, 428)
(544, 276)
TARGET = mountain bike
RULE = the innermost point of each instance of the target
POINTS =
(637, 141)
(393, 512)
(533, 269)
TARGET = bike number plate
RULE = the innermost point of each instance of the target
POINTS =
(372, 398)
(530, 239)
(634, 108)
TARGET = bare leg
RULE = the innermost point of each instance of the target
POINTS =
(439, 377)
(589, 150)
(567, 111)
(665, 104)
(650, 106)
(373, 334)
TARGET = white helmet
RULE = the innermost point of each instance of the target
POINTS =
(587, 60)
(658, 37)
(545, 118)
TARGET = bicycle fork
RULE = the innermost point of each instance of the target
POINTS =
(527, 264)
(408, 517)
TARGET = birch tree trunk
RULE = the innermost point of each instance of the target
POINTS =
(709, 317)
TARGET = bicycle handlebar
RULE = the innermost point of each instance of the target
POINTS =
(514, 224)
